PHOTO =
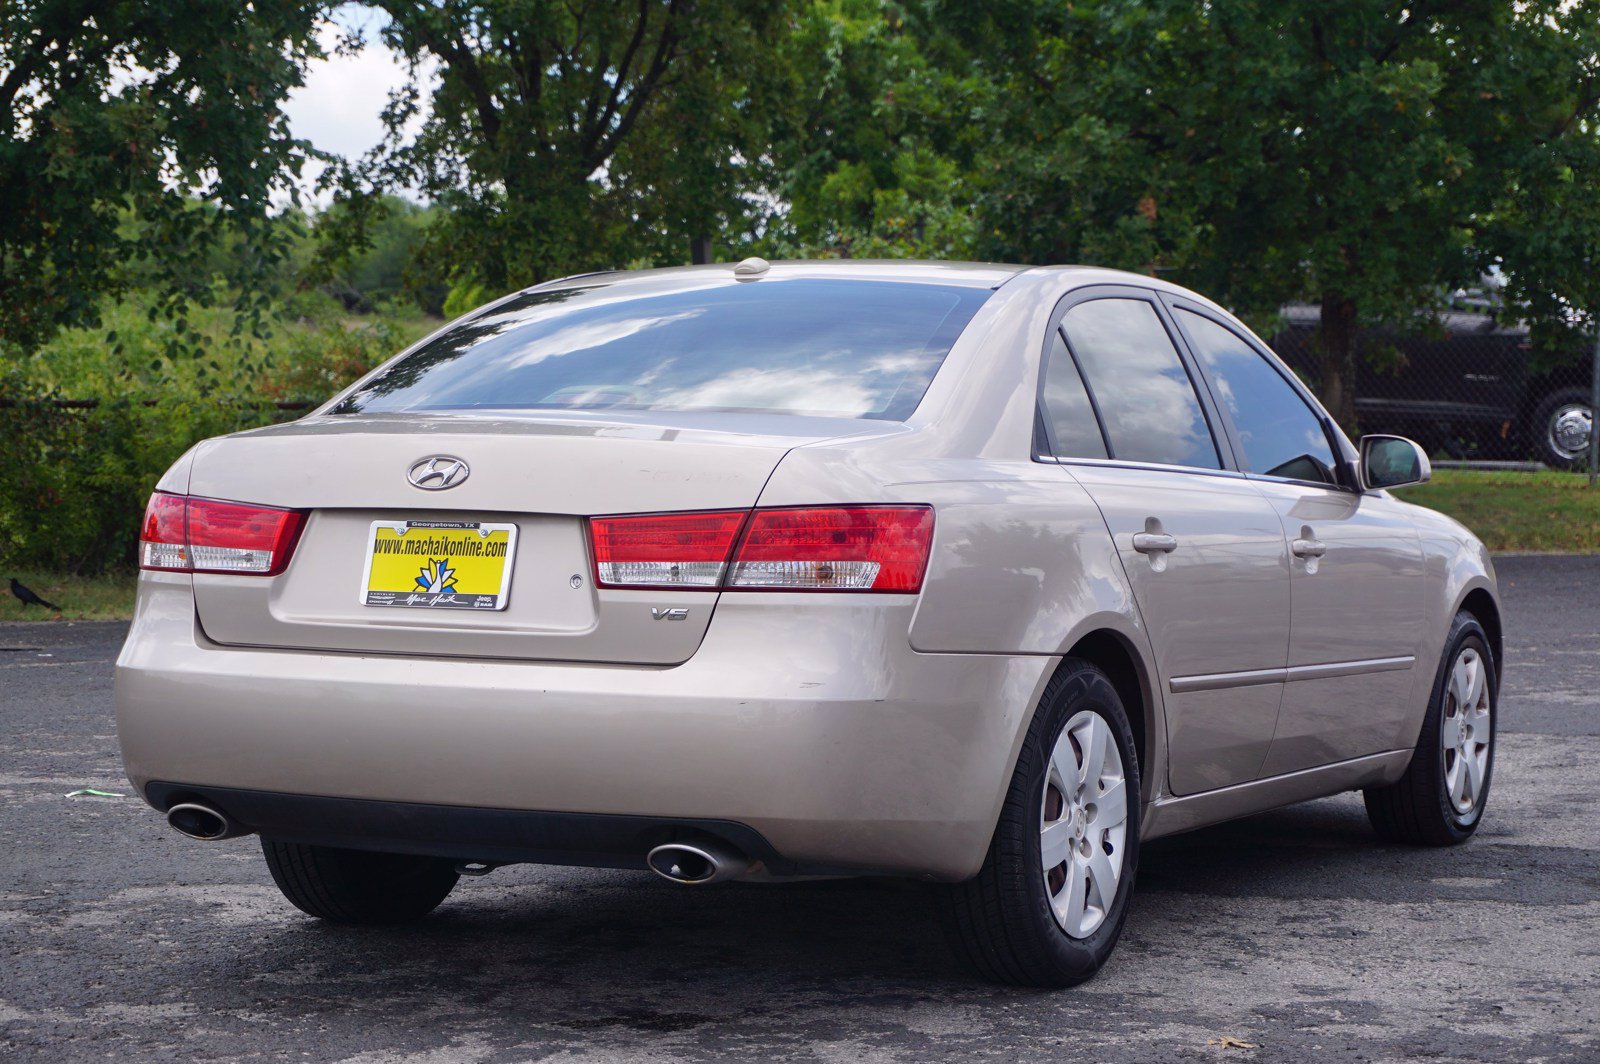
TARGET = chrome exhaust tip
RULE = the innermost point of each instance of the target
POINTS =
(202, 822)
(698, 863)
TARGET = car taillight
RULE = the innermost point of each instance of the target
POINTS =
(163, 541)
(211, 536)
(811, 548)
(682, 550)
(835, 548)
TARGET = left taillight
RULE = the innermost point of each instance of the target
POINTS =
(194, 535)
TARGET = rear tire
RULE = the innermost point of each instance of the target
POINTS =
(1011, 922)
(358, 887)
(1440, 799)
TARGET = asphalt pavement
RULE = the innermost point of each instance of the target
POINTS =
(1289, 936)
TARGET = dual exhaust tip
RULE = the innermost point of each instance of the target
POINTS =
(698, 863)
(695, 863)
(203, 822)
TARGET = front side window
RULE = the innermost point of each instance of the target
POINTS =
(833, 347)
(1280, 434)
(1139, 384)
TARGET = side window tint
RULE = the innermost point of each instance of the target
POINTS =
(1281, 435)
(1139, 383)
(1067, 407)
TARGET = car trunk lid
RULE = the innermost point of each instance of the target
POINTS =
(543, 475)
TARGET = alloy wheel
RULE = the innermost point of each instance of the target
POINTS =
(1465, 732)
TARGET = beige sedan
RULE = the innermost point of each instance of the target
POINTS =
(975, 574)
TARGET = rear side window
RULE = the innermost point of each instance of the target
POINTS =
(1074, 431)
(821, 346)
(1280, 434)
(1139, 384)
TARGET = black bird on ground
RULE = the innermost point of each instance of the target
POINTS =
(26, 594)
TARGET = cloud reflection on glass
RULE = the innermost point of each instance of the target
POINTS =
(1141, 387)
(831, 347)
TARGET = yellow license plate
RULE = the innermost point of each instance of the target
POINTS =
(458, 565)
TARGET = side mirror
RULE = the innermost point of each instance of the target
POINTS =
(1393, 462)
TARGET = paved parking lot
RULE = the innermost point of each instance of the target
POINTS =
(1290, 936)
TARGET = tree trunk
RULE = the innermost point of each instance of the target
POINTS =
(700, 250)
(1337, 342)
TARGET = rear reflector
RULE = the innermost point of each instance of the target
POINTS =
(814, 548)
(210, 536)
(686, 550)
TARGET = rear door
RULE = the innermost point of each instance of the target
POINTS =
(1202, 549)
(1356, 560)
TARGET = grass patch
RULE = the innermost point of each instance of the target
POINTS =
(1517, 511)
(81, 598)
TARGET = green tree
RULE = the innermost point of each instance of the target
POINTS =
(563, 137)
(142, 131)
(1367, 156)
(874, 143)
(370, 258)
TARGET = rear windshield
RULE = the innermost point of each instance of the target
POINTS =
(829, 347)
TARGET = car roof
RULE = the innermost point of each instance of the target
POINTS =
(965, 274)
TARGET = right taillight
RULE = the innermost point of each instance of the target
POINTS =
(210, 536)
(802, 548)
(834, 548)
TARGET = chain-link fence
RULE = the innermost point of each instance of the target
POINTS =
(1465, 385)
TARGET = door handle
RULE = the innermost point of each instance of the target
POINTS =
(1154, 542)
(1308, 548)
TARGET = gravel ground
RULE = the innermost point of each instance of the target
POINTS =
(1288, 936)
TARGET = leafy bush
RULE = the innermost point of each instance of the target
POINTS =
(78, 479)
(468, 295)
(313, 366)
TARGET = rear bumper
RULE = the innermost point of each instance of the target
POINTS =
(806, 720)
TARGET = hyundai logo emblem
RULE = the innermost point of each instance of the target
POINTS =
(437, 472)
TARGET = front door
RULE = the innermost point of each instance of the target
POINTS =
(1357, 576)
(1358, 590)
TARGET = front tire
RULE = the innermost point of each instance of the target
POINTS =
(358, 887)
(1440, 799)
(1048, 905)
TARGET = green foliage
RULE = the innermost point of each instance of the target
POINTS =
(561, 138)
(317, 350)
(874, 145)
(468, 295)
(366, 249)
(77, 480)
(172, 110)
(1360, 154)
(317, 362)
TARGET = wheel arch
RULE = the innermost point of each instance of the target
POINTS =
(1481, 604)
(1116, 655)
